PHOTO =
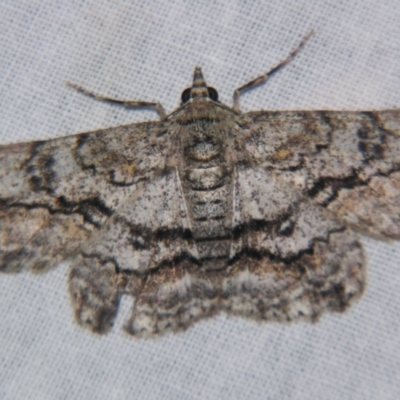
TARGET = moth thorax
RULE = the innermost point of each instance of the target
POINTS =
(204, 151)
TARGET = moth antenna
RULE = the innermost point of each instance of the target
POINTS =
(125, 103)
(264, 77)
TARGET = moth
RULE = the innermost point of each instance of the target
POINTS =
(206, 210)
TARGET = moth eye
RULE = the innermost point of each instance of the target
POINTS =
(212, 93)
(185, 95)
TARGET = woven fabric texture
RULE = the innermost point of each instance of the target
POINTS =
(147, 51)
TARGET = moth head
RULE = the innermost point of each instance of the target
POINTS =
(199, 89)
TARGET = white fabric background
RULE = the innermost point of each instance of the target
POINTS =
(147, 50)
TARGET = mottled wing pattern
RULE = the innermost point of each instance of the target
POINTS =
(57, 194)
(207, 210)
(347, 162)
(309, 178)
(293, 252)
(146, 238)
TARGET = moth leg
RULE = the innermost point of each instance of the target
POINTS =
(93, 286)
(264, 77)
(126, 103)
